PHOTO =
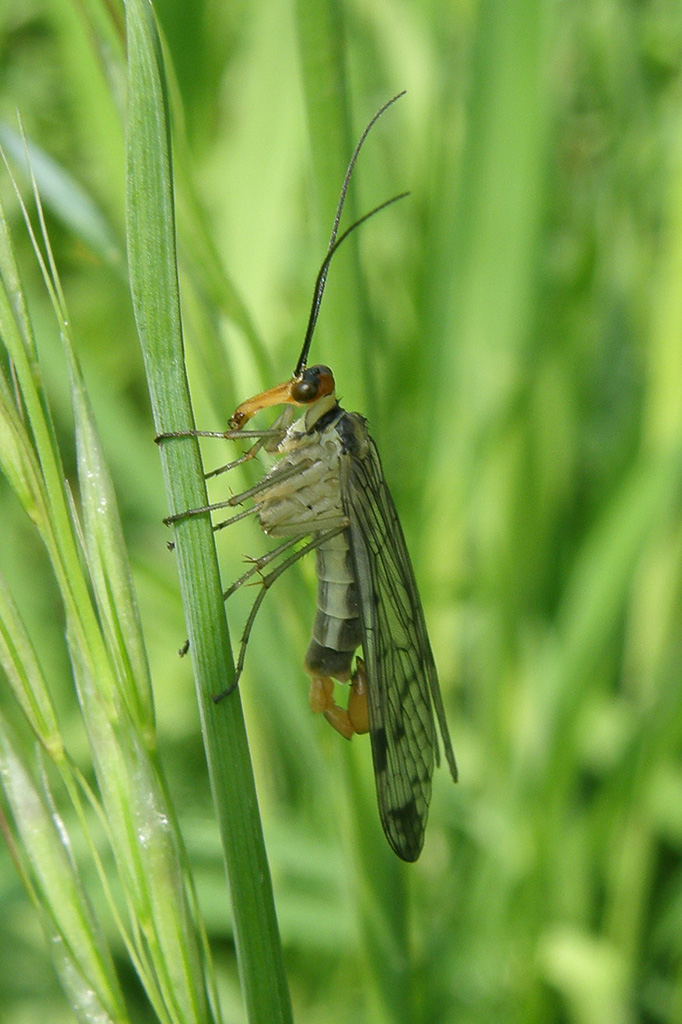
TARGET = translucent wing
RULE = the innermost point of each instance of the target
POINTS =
(402, 683)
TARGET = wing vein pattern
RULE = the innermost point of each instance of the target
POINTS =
(402, 683)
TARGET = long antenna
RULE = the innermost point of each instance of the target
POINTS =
(334, 243)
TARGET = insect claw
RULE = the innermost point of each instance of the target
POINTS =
(184, 649)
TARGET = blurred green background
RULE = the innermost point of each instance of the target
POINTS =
(522, 375)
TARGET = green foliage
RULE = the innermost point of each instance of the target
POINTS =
(512, 331)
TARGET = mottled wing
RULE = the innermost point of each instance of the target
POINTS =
(402, 684)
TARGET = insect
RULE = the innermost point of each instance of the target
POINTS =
(327, 485)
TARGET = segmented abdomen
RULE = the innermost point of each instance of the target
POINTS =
(337, 630)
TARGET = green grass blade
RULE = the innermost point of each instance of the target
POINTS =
(20, 666)
(107, 561)
(151, 227)
(80, 952)
(137, 820)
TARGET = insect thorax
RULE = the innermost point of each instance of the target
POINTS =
(308, 501)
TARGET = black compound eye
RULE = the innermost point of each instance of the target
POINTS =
(315, 382)
(305, 389)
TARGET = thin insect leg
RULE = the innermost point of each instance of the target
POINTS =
(268, 439)
(256, 566)
(246, 457)
(225, 435)
(276, 477)
(169, 520)
(263, 442)
(235, 519)
(263, 437)
(179, 516)
(267, 583)
(259, 563)
(237, 499)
